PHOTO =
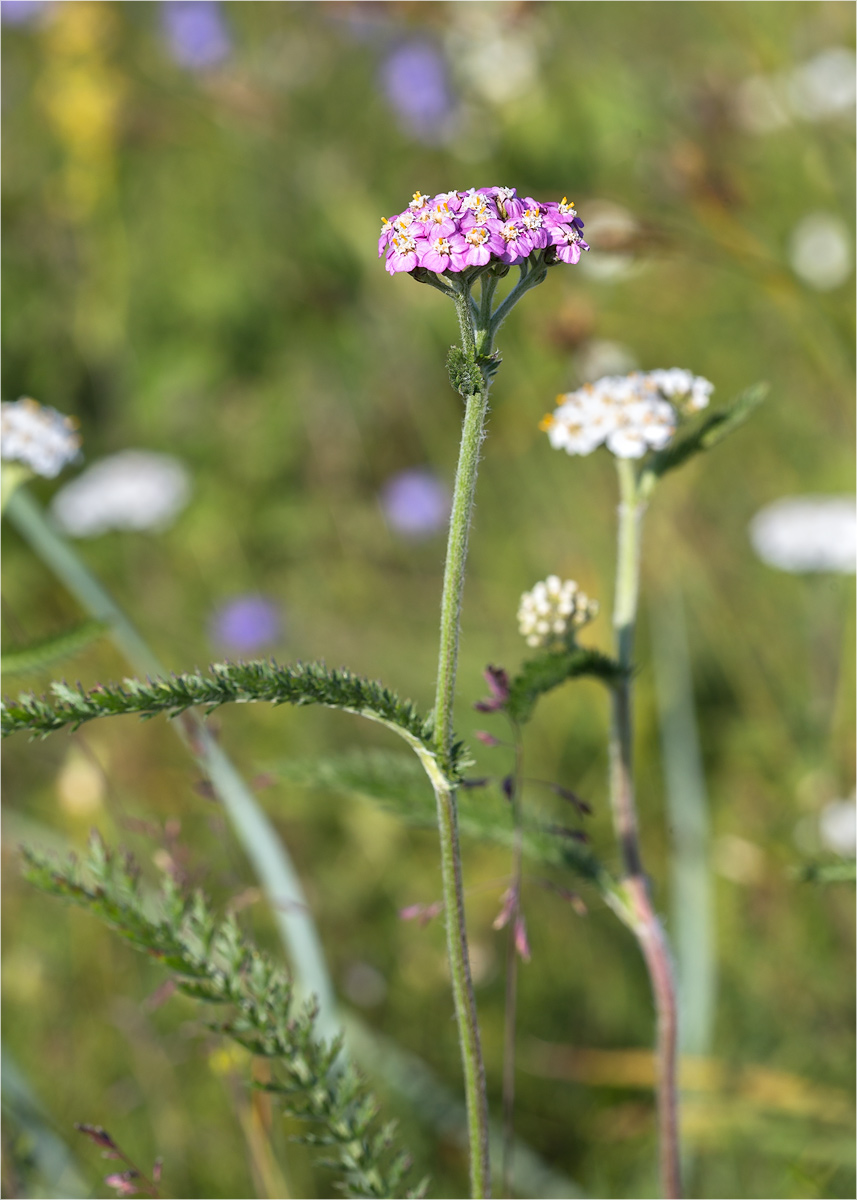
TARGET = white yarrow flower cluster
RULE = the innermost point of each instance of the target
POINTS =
(553, 607)
(135, 489)
(629, 414)
(40, 437)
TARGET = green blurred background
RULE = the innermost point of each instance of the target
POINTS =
(190, 266)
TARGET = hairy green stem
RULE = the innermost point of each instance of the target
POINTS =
(511, 1005)
(531, 276)
(450, 853)
(261, 842)
(643, 920)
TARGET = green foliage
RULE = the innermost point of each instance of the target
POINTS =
(394, 779)
(239, 683)
(50, 650)
(465, 375)
(837, 872)
(713, 429)
(547, 671)
(398, 783)
(212, 961)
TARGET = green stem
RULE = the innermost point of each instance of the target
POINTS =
(531, 276)
(450, 853)
(511, 1007)
(643, 919)
(261, 842)
(624, 624)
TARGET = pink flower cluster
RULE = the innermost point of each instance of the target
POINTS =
(457, 230)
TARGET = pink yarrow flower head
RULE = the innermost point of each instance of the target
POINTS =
(478, 228)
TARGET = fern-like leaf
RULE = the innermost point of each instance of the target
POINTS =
(50, 650)
(212, 961)
(549, 670)
(228, 683)
(398, 784)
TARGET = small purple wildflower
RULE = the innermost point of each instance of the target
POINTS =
(487, 739)
(96, 1134)
(421, 912)
(246, 624)
(196, 33)
(414, 79)
(415, 502)
(498, 686)
(124, 1182)
(22, 12)
(522, 943)
(457, 230)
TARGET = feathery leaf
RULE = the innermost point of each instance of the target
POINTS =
(211, 960)
(551, 669)
(47, 651)
(238, 683)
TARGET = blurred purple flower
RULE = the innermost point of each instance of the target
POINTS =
(522, 943)
(498, 685)
(197, 36)
(246, 624)
(22, 12)
(414, 79)
(415, 502)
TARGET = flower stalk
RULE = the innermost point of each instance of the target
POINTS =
(449, 241)
(450, 853)
(512, 950)
(641, 916)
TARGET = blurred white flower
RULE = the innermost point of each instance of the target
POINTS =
(823, 86)
(820, 251)
(818, 89)
(629, 414)
(40, 437)
(599, 357)
(807, 533)
(135, 489)
(837, 827)
(547, 612)
(500, 64)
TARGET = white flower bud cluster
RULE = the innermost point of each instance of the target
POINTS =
(40, 437)
(630, 414)
(690, 392)
(553, 607)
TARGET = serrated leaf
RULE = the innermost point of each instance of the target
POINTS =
(201, 950)
(396, 781)
(712, 429)
(550, 670)
(47, 651)
(239, 683)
